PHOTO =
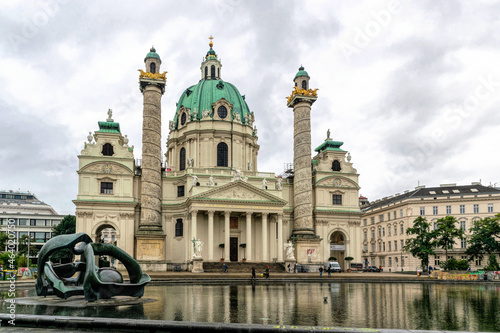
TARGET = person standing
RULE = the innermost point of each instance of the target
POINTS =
(329, 271)
(320, 271)
(289, 271)
(253, 273)
(266, 272)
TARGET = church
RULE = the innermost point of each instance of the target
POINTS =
(209, 202)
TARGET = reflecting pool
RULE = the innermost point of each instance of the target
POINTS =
(474, 307)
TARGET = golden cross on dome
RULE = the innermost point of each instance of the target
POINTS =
(211, 43)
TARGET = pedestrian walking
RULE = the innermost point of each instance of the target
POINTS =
(289, 271)
(320, 271)
(253, 273)
(266, 272)
(295, 268)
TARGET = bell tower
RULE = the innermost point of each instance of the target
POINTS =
(150, 238)
(301, 100)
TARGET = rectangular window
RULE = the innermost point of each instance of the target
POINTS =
(383, 246)
(490, 208)
(364, 222)
(37, 223)
(379, 247)
(379, 232)
(373, 220)
(233, 222)
(106, 188)
(463, 243)
(435, 225)
(388, 230)
(381, 218)
(436, 261)
(462, 209)
(402, 227)
(422, 211)
(395, 230)
(448, 210)
(476, 209)
(395, 215)
(179, 228)
(373, 234)
(180, 191)
(478, 262)
(462, 226)
(435, 210)
(373, 247)
(388, 216)
(337, 199)
(365, 247)
(389, 243)
(400, 213)
(395, 245)
(402, 244)
(390, 261)
(365, 234)
(383, 232)
(23, 222)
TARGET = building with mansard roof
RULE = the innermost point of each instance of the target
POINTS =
(209, 201)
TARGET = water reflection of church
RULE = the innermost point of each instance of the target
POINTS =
(210, 188)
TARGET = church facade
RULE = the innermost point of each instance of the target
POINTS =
(209, 202)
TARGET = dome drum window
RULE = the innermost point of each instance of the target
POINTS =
(222, 112)
(222, 109)
(183, 118)
(182, 159)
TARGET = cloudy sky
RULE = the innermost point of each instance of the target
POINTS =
(411, 88)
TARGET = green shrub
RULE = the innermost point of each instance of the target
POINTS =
(456, 265)
(332, 259)
(492, 264)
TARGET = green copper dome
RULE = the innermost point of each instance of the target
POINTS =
(152, 54)
(211, 54)
(301, 72)
(202, 95)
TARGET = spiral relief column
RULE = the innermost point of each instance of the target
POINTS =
(301, 100)
(150, 238)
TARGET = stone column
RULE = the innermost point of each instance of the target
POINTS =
(249, 236)
(280, 237)
(151, 160)
(265, 238)
(210, 235)
(194, 224)
(227, 233)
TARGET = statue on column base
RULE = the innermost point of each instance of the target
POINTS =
(197, 259)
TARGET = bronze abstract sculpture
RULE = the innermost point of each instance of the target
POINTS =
(84, 277)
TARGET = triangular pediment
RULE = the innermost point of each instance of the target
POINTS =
(239, 191)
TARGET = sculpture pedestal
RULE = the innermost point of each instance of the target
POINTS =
(308, 250)
(197, 265)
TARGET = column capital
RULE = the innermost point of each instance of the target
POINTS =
(249, 213)
(227, 212)
(194, 211)
(265, 214)
(211, 212)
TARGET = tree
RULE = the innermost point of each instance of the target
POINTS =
(66, 226)
(484, 238)
(447, 232)
(22, 248)
(4, 238)
(422, 244)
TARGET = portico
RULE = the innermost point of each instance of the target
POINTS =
(253, 217)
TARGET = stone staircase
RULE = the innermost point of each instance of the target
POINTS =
(243, 267)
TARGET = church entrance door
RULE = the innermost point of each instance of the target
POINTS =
(233, 248)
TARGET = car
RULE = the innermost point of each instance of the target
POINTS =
(371, 269)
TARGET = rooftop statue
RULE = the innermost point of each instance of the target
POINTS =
(84, 277)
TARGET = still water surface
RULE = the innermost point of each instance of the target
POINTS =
(373, 305)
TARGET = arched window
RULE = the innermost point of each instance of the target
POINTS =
(206, 72)
(336, 165)
(182, 159)
(222, 154)
(212, 72)
(304, 84)
(107, 149)
(183, 118)
(179, 228)
(152, 68)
